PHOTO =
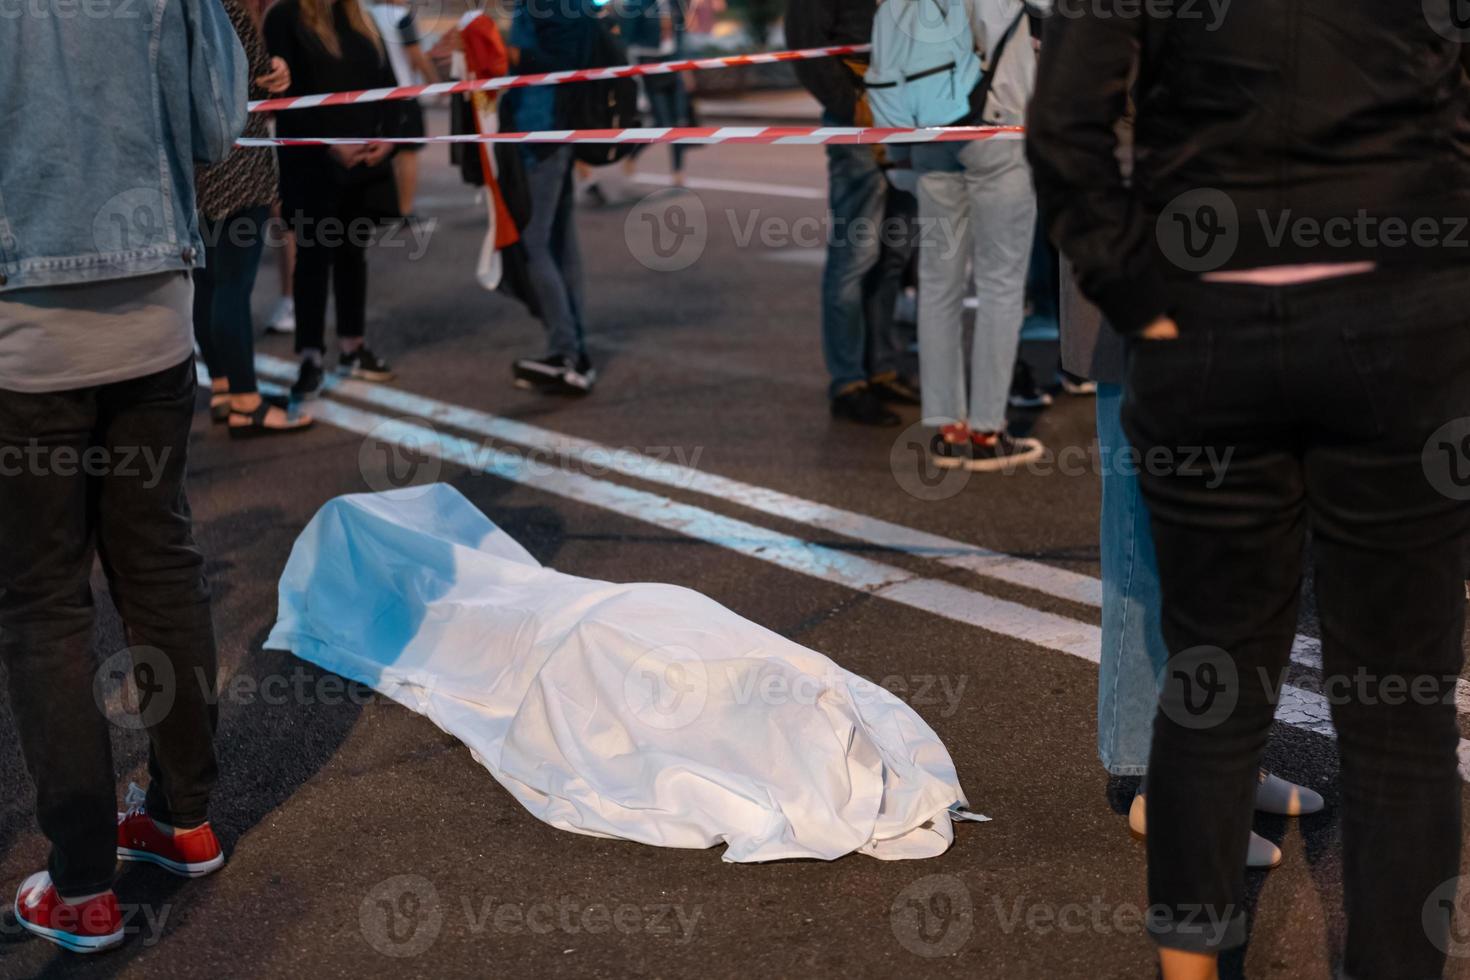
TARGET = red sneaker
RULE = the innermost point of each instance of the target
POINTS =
(86, 927)
(192, 853)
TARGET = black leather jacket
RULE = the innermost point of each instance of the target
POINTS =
(1279, 133)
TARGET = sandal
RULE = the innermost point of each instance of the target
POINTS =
(256, 424)
(219, 407)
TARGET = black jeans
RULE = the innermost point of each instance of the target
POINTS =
(331, 254)
(100, 471)
(1331, 399)
(222, 288)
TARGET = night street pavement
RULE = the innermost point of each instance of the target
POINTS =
(365, 842)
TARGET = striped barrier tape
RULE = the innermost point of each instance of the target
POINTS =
(548, 78)
(788, 135)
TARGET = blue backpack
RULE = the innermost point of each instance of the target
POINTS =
(923, 69)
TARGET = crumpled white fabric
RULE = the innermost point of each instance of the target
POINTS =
(644, 712)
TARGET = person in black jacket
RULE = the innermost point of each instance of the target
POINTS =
(873, 225)
(1288, 262)
(332, 196)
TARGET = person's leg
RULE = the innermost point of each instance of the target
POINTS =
(944, 221)
(311, 283)
(1133, 651)
(156, 576)
(235, 260)
(885, 339)
(349, 288)
(1228, 540)
(204, 279)
(1388, 541)
(46, 631)
(406, 179)
(1003, 212)
(568, 253)
(855, 205)
(547, 180)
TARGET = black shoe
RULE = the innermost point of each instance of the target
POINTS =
(556, 374)
(1000, 451)
(860, 405)
(364, 365)
(308, 382)
(1076, 384)
(1025, 393)
(894, 389)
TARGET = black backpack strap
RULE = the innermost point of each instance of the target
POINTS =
(981, 92)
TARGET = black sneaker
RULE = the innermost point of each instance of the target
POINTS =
(364, 365)
(1025, 393)
(990, 451)
(860, 405)
(894, 389)
(1076, 384)
(556, 374)
(950, 447)
(308, 382)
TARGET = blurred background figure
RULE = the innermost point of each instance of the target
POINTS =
(402, 40)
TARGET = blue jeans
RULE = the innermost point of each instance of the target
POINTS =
(1133, 651)
(222, 289)
(554, 261)
(856, 189)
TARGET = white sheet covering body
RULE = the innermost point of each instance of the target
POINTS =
(642, 711)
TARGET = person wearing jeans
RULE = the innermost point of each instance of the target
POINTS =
(97, 390)
(234, 203)
(854, 342)
(558, 38)
(978, 215)
(1335, 369)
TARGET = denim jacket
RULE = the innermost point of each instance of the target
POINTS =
(106, 108)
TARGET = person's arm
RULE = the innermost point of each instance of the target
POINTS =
(811, 24)
(1096, 220)
(408, 32)
(218, 81)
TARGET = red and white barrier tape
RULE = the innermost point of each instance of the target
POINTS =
(688, 134)
(548, 78)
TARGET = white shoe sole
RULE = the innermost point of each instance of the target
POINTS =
(197, 869)
(1033, 450)
(70, 941)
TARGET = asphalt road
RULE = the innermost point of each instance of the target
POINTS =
(363, 841)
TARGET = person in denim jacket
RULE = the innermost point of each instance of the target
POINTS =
(98, 237)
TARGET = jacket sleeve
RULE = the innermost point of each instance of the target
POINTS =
(1072, 141)
(218, 83)
(810, 24)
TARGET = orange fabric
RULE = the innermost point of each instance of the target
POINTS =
(486, 56)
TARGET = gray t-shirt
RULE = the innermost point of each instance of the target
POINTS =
(57, 338)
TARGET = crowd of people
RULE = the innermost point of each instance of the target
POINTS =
(1325, 370)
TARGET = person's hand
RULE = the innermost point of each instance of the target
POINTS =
(348, 155)
(1164, 328)
(375, 153)
(278, 79)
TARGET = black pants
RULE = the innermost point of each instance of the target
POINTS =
(1330, 398)
(331, 254)
(100, 471)
(222, 288)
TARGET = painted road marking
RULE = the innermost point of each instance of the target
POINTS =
(1299, 708)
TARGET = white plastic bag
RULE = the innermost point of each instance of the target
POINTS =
(645, 712)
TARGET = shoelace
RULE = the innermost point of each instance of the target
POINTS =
(135, 802)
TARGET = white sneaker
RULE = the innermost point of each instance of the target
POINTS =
(1276, 795)
(283, 317)
(1260, 854)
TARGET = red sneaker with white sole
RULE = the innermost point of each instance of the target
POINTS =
(86, 927)
(191, 853)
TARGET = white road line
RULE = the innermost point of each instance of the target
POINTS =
(1298, 708)
(737, 186)
(1057, 582)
